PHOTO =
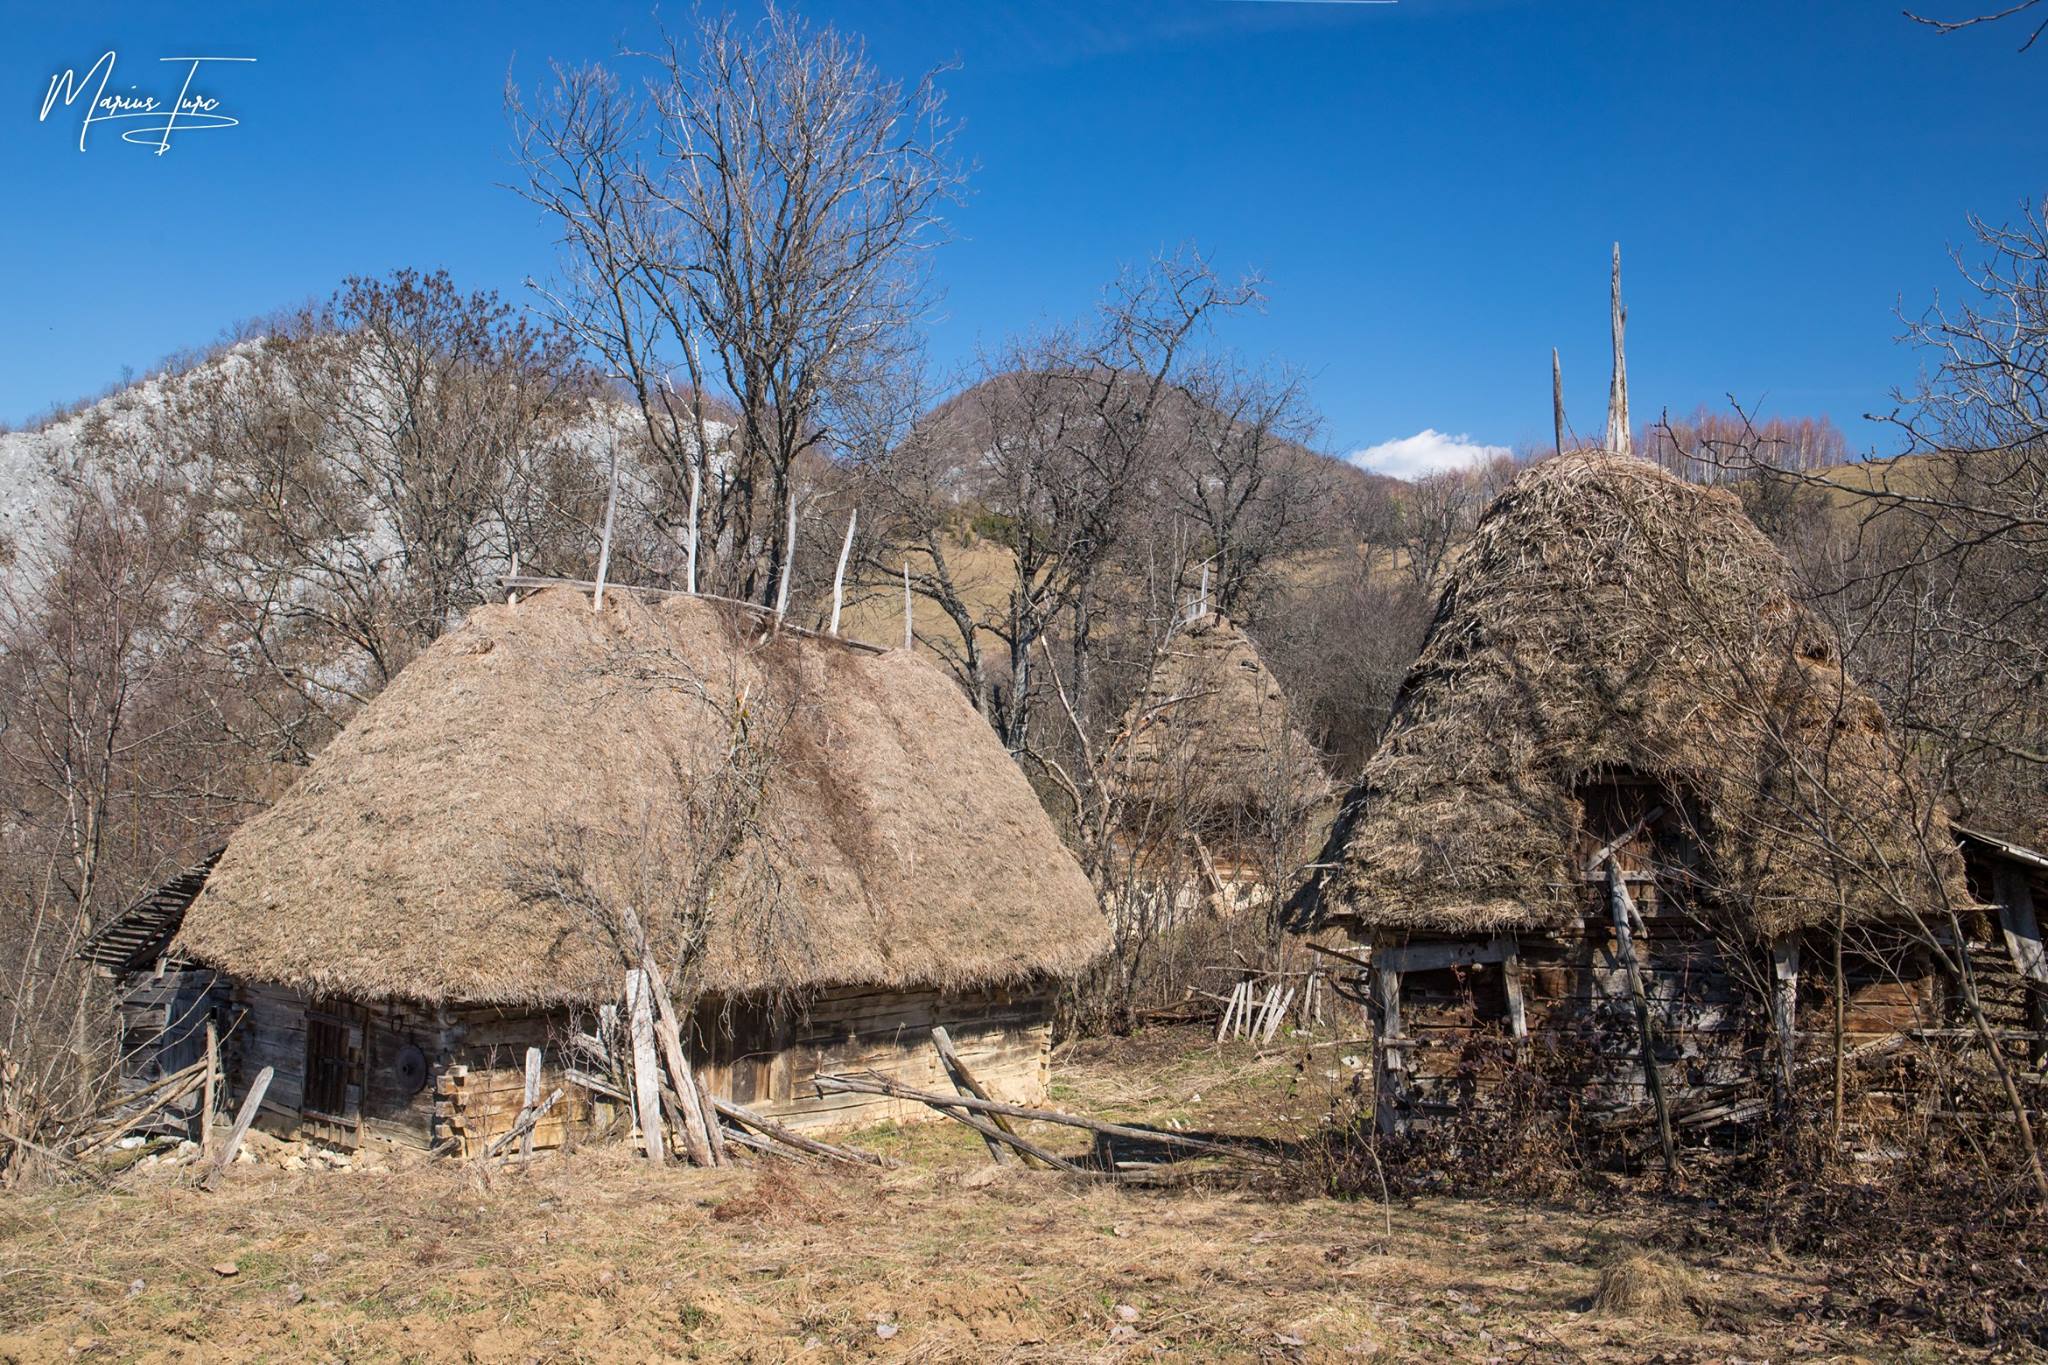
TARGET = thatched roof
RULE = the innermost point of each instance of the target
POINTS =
(845, 817)
(1607, 618)
(1212, 731)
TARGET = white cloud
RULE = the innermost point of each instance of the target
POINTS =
(1426, 452)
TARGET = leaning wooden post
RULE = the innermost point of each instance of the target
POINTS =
(908, 640)
(700, 1136)
(646, 1081)
(1623, 907)
(243, 1119)
(209, 1099)
(839, 574)
(530, 1100)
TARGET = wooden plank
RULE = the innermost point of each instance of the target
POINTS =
(699, 1129)
(1389, 1085)
(250, 1104)
(1511, 978)
(1785, 1007)
(209, 1100)
(1429, 957)
(530, 1097)
(646, 1082)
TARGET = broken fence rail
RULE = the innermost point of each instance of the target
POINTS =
(881, 1085)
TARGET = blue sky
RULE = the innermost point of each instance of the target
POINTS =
(1429, 187)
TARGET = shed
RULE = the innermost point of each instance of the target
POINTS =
(830, 852)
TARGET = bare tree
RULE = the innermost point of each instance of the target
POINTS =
(756, 219)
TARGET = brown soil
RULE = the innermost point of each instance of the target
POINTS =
(588, 1256)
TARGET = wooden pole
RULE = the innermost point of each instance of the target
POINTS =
(690, 541)
(1618, 437)
(604, 545)
(530, 1100)
(698, 1139)
(646, 1081)
(908, 640)
(243, 1119)
(966, 1084)
(881, 1085)
(792, 1138)
(788, 557)
(512, 594)
(1623, 908)
(839, 574)
(208, 1102)
(523, 1129)
(1556, 401)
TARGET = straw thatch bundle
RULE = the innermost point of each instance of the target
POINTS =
(1608, 618)
(841, 818)
(1212, 731)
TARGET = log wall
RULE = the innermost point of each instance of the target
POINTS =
(475, 1058)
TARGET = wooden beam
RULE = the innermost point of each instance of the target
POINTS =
(646, 1081)
(243, 1119)
(1430, 957)
(210, 1099)
(882, 1085)
(790, 1137)
(1390, 1091)
(1618, 433)
(1596, 866)
(965, 1083)
(668, 1033)
(529, 1099)
(1511, 981)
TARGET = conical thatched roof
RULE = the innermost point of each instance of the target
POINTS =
(1606, 618)
(845, 817)
(1211, 729)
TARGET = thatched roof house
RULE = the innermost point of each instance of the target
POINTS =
(1621, 718)
(1211, 734)
(1609, 619)
(832, 840)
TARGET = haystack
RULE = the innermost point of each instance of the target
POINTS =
(1211, 733)
(1609, 618)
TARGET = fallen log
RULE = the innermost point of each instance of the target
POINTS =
(878, 1085)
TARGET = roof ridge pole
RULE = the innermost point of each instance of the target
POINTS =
(788, 558)
(690, 544)
(604, 547)
(1617, 392)
(839, 574)
(908, 640)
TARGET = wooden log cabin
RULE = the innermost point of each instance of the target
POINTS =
(1628, 805)
(829, 851)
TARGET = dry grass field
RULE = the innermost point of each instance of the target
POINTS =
(585, 1256)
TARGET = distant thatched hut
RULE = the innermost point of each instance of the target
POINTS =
(831, 840)
(1210, 748)
(1626, 754)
